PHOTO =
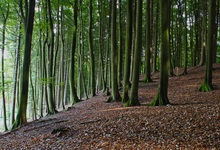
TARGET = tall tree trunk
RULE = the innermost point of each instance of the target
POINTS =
(172, 43)
(161, 97)
(185, 41)
(214, 54)
(82, 53)
(147, 77)
(101, 46)
(128, 47)
(203, 34)
(120, 50)
(73, 94)
(114, 56)
(51, 99)
(133, 101)
(16, 67)
(156, 40)
(92, 59)
(21, 117)
(5, 18)
(33, 103)
(207, 84)
(60, 89)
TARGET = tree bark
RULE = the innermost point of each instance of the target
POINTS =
(133, 101)
(161, 97)
(147, 77)
(128, 47)
(21, 117)
(207, 84)
(91, 51)
(5, 18)
(73, 94)
(114, 56)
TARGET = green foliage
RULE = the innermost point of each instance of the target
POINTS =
(63, 12)
(48, 80)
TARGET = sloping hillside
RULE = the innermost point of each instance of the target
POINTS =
(192, 121)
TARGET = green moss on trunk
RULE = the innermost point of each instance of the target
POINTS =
(132, 102)
(205, 87)
(160, 100)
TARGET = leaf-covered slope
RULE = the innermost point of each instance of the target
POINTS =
(193, 121)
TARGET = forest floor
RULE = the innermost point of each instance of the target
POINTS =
(191, 122)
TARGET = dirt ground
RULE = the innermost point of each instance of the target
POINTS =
(191, 122)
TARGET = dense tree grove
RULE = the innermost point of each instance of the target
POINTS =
(57, 53)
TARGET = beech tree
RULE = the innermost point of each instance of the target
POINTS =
(91, 51)
(75, 44)
(128, 47)
(50, 55)
(147, 77)
(161, 97)
(73, 95)
(133, 100)
(114, 57)
(28, 20)
(4, 13)
(207, 84)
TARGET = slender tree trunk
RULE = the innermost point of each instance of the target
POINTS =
(172, 43)
(57, 98)
(62, 81)
(3, 70)
(73, 94)
(51, 100)
(203, 34)
(33, 106)
(207, 84)
(133, 101)
(101, 46)
(21, 117)
(161, 97)
(16, 67)
(92, 59)
(185, 42)
(120, 50)
(82, 52)
(44, 74)
(107, 56)
(156, 40)
(128, 47)
(147, 77)
(197, 34)
(216, 31)
(114, 56)
(40, 76)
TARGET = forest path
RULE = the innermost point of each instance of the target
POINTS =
(193, 121)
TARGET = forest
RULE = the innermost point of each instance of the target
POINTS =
(61, 54)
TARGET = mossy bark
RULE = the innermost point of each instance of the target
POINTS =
(21, 117)
(147, 77)
(133, 101)
(207, 84)
(114, 56)
(128, 46)
(161, 97)
(205, 87)
(73, 93)
(50, 87)
(91, 51)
